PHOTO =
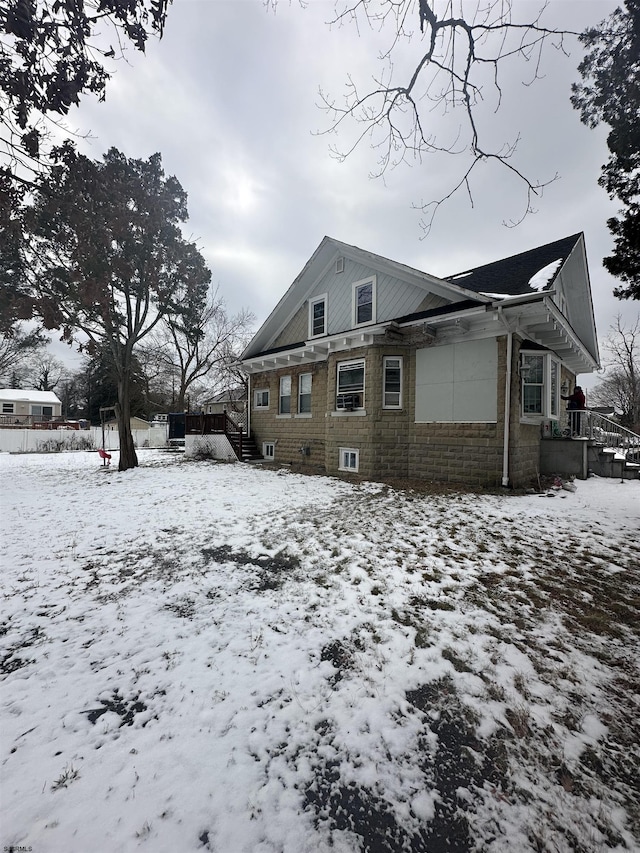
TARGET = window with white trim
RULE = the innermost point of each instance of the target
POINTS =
(349, 459)
(304, 393)
(554, 387)
(7, 408)
(318, 316)
(392, 382)
(261, 398)
(284, 405)
(540, 374)
(350, 384)
(364, 301)
(268, 449)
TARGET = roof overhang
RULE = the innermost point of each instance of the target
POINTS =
(313, 351)
(538, 318)
(532, 316)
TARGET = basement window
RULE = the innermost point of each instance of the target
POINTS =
(268, 449)
(349, 459)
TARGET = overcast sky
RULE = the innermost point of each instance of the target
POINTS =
(229, 97)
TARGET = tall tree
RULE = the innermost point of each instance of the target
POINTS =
(45, 372)
(610, 93)
(51, 53)
(621, 385)
(109, 260)
(194, 344)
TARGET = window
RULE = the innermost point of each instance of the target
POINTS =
(268, 449)
(554, 385)
(364, 301)
(318, 316)
(392, 379)
(284, 406)
(7, 408)
(261, 399)
(349, 459)
(540, 384)
(532, 371)
(42, 411)
(351, 382)
(304, 393)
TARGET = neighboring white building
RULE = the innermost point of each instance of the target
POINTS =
(27, 405)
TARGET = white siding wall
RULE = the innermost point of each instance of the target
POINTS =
(457, 383)
(394, 298)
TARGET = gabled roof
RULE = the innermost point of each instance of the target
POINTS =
(514, 276)
(544, 294)
(28, 395)
(320, 262)
(231, 395)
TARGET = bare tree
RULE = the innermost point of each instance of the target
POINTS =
(17, 346)
(45, 372)
(621, 385)
(195, 349)
(463, 49)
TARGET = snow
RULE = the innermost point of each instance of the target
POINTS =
(200, 656)
(541, 279)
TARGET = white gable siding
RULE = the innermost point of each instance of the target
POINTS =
(457, 383)
(394, 297)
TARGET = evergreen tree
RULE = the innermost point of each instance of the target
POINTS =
(109, 261)
(610, 93)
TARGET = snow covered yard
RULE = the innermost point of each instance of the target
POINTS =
(199, 656)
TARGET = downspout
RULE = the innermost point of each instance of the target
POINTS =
(507, 403)
(248, 405)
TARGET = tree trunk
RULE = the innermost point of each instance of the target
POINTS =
(128, 456)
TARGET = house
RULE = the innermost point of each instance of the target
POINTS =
(371, 367)
(233, 401)
(135, 422)
(25, 407)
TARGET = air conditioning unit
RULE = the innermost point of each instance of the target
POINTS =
(347, 402)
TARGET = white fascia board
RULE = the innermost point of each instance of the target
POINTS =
(314, 349)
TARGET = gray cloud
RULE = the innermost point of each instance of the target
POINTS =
(229, 98)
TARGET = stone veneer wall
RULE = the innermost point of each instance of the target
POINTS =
(390, 443)
(292, 432)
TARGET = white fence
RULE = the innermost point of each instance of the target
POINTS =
(40, 441)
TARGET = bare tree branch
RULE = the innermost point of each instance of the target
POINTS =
(459, 43)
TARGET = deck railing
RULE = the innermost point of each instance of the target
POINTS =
(38, 422)
(215, 424)
(602, 430)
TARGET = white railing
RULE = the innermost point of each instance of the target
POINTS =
(603, 430)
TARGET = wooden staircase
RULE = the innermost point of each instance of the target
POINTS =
(245, 447)
(243, 444)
